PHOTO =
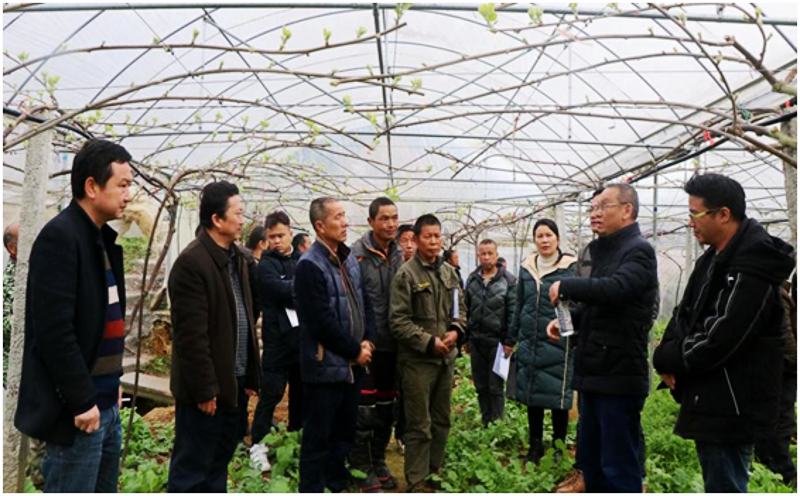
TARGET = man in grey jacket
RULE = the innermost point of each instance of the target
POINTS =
(490, 298)
(379, 257)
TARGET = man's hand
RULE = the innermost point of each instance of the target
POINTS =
(440, 348)
(209, 407)
(507, 350)
(250, 392)
(450, 339)
(669, 380)
(553, 330)
(119, 399)
(366, 354)
(88, 421)
(554, 289)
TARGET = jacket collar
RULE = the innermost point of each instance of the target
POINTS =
(218, 253)
(430, 266)
(614, 240)
(564, 261)
(337, 259)
(372, 246)
(107, 234)
(478, 273)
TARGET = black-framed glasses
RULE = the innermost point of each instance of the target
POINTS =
(604, 206)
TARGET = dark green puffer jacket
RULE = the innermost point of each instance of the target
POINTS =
(544, 366)
(490, 307)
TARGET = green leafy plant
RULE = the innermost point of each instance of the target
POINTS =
(489, 15)
(535, 13)
(285, 35)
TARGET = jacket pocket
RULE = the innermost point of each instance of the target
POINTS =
(422, 301)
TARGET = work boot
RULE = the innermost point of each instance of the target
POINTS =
(572, 484)
(536, 452)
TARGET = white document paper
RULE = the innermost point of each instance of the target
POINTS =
(292, 314)
(501, 363)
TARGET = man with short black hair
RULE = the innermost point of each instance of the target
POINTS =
(611, 370)
(214, 352)
(337, 332)
(74, 331)
(721, 354)
(280, 335)
(301, 243)
(427, 317)
(379, 257)
(490, 299)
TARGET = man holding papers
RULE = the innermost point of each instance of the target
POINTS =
(280, 362)
(490, 298)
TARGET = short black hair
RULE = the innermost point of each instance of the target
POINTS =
(257, 235)
(546, 222)
(318, 209)
(718, 191)
(501, 260)
(298, 240)
(94, 160)
(627, 194)
(448, 254)
(404, 229)
(376, 205)
(425, 220)
(488, 241)
(275, 218)
(214, 200)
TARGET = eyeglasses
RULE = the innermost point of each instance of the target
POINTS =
(700, 215)
(605, 206)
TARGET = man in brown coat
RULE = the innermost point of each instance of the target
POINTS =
(215, 353)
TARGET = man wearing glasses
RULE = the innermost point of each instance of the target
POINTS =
(722, 351)
(613, 322)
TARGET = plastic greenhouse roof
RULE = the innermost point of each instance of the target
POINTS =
(494, 121)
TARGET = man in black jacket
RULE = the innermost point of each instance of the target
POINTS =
(280, 334)
(215, 352)
(722, 351)
(337, 332)
(611, 367)
(74, 331)
(490, 297)
(379, 257)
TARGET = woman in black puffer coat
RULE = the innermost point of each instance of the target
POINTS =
(544, 367)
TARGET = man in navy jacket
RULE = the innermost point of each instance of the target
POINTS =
(611, 368)
(337, 332)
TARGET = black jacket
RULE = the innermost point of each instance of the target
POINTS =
(275, 277)
(490, 307)
(377, 271)
(724, 341)
(614, 323)
(65, 317)
(204, 325)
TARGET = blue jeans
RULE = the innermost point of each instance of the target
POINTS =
(91, 464)
(725, 466)
(609, 442)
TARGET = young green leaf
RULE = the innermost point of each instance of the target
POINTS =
(488, 13)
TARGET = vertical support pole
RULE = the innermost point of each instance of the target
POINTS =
(790, 180)
(32, 215)
(561, 223)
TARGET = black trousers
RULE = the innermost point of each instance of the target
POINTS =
(329, 429)
(273, 386)
(560, 420)
(376, 413)
(774, 451)
(204, 446)
(489, 386)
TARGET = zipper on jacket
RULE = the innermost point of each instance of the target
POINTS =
(730, 388)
